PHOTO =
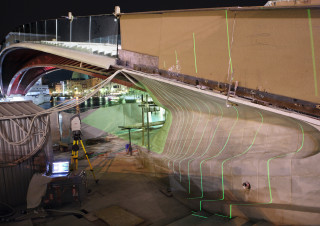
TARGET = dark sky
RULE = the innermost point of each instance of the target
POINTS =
(18, 12)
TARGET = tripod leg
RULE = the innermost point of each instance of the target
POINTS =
(72, 156)
(91, 169)
(76, 157)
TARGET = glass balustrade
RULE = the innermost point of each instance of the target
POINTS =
(92, 34)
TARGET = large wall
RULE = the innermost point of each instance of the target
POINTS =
(212, 149)
(272, 50)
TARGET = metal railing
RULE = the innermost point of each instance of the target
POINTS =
(92, 34)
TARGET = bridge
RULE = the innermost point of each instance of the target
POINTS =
(240, 86)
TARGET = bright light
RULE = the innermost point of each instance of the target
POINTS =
(17, 98)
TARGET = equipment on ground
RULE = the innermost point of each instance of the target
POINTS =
(68, 189)
(59, 169)
(76, 133)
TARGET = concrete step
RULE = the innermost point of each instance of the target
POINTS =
(188, 221)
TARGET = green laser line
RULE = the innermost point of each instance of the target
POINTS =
(219, 215)
(254, 139)
(203, 132)
(230, 60)
(216, 214)
(313, 56)
(194, 53)
(176, 57)
(179, 144)
(172, 153)
(268, 171)
(203, 161)
(212, 138)
(199, 216)
(235, 156)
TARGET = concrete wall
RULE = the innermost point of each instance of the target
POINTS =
(212, 149)
(271, 49)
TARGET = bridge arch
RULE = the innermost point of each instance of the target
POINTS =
(21, 65)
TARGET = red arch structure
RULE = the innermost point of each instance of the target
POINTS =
(21, 65)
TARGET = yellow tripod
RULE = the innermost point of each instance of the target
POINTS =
(75, 154)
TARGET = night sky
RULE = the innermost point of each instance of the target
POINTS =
(18, 12)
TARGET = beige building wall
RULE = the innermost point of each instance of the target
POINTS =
(270, 49)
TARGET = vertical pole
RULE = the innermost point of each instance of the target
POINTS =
(148, 123)
(70, 30)
(59, 125)
(45, 30)
(36, 31)
(56, 30)
(117, 36)
(90, 29)
(142, 108)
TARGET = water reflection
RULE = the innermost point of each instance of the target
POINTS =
(91, 103)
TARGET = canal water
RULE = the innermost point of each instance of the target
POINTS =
(91, 103)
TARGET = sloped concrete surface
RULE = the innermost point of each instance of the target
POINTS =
(214, 147)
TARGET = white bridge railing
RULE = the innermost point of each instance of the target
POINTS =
(94, 48)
